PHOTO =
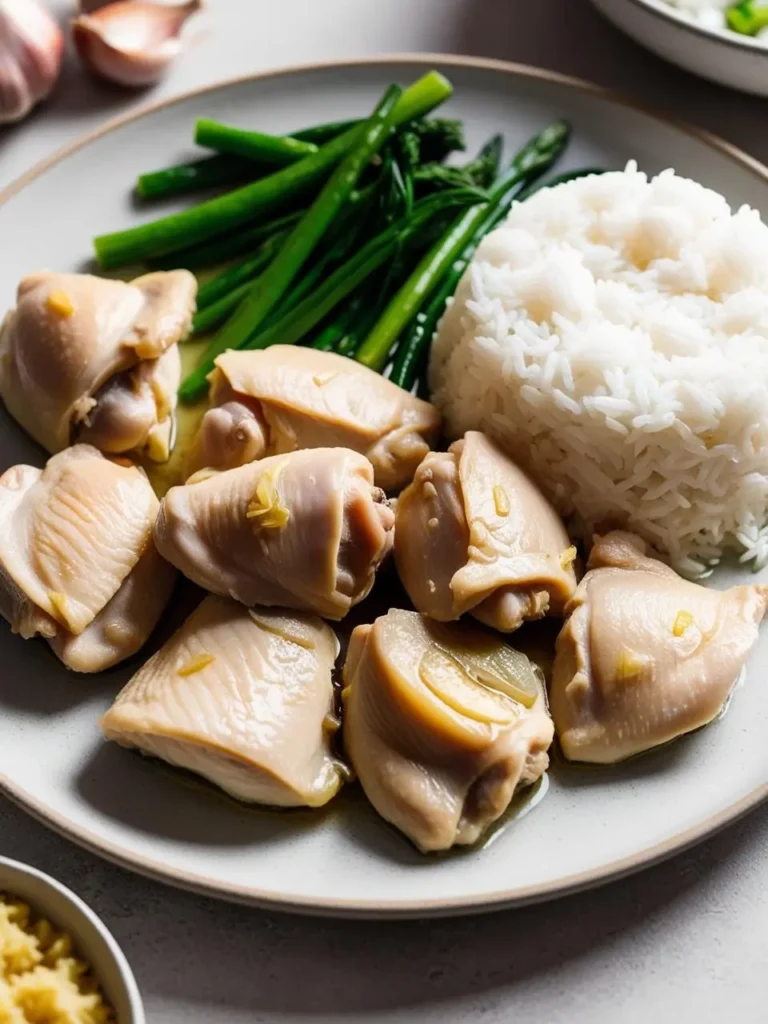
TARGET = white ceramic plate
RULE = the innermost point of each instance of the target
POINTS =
(593, 824)
(717, 54)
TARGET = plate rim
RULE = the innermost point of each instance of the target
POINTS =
(376, 908)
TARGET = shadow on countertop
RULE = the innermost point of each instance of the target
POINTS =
(194, 950)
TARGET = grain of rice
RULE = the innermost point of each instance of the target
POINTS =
(613, 335)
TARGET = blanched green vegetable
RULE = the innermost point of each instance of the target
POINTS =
(478, 173)
(747, 18)
(258, 146)
(410, 357)
(272, 285)
(532, 161)
(270, 194)
(195, 176)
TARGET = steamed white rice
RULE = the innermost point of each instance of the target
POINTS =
(613, 336)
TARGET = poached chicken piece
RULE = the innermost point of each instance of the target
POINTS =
(645, 655)
(473, 534)
(242, 697)
(93, 360)
(286, 398)
(77, 561)
(305, 530)
(442, 724)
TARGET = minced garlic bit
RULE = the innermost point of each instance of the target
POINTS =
(331, 724)
(59, 602)
(41, 979)
(629, 665)
(500, 501)
(682, 622)
(266, 507)
(60, 304)
(196, 664)
(568, 557)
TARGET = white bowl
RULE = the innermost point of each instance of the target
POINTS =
(93, 942)
(721, 56)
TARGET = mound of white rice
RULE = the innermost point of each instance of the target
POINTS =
(613, 337)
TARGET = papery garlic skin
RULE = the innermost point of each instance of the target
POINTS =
(131, 42)
(31, 50)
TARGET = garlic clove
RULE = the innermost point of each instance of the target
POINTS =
(131, 42)
(31, 49)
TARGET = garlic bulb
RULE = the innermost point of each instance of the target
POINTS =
(31, 48)
(130, 42)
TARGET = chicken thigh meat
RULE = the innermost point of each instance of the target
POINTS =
(77, 560)
(87, 359)
(645, 655)
(475, 535)
(442, 725)
(244, 698)
(286, 398)
(305, 530)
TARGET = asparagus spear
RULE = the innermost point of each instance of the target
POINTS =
(269, 149)
(300, 244)
(216, 216)
(436, 138)
(412, 349)
(532, 161)
(227, 247)
(195, 176)
(240, 273)
(299, 319)
(223, 168)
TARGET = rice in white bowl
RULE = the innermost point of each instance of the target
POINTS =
(612, 335)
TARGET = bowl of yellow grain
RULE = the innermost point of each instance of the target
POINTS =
(58, 962)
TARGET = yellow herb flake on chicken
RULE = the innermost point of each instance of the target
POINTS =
(682, 621)
(568, 557)
(41, 980)
(500, 501)
(58, 603)
(60, 304)
(629, 665)
(196, 664)
(266, 506)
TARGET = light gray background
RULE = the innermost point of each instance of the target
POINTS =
(685, 941)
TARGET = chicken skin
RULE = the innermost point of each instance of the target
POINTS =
(77, 562)
(474, 535)
(285, 398)
(305, 530)
(442, 725)
(645, 655)
(87, 359)
(244, 698)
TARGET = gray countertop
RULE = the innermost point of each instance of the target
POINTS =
(687, 940)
